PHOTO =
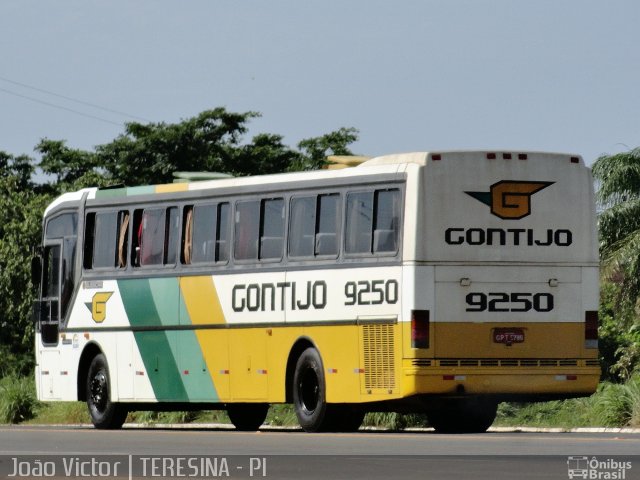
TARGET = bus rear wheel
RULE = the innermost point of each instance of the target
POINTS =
(309, 392)
(463, 416)
(104, 413)
(247, 417)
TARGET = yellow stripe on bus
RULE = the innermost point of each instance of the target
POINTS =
(203, 305)
(201, 300)
(172, 187)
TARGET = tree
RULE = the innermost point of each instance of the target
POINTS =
(21, 207)
(67, 165)
(149, 154)
(316, 150)
(618, 178)
(211, 141)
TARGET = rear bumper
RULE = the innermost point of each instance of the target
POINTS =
(555, 382)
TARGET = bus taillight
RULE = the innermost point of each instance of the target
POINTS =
(591, 329)
(419, 328)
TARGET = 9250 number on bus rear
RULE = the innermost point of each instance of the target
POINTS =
(505, 302)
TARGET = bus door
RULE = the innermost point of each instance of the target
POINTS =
(56, 276)
(47, 316)
(48, 306)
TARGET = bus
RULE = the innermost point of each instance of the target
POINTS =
(436, 282)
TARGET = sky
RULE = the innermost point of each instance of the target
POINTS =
(550, 75)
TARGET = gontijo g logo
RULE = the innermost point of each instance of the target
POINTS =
(510, 199)
(98, 306)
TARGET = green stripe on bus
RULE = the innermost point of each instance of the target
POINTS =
(125, 191)
(156, 347)
(173, 359)
(198, 383)
(192, 369)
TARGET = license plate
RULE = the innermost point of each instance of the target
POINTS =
(508, 335)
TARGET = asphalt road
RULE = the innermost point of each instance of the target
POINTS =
(294, 454)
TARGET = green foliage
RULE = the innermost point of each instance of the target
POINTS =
(281, 415)
(617, 405)
(618, 178)
(613, 405)
(66, 164)
(17, 399)
(62, 413)
(565, 413)
(315, 150)
(619, 333)
(21, 208)
(395, 421)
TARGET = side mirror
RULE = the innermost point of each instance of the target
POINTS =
(36, 270)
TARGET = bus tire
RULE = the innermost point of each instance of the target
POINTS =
(104, 413)
(247, 417)
(463, 416)
(309, 393)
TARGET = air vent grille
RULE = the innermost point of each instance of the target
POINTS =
(379, 359)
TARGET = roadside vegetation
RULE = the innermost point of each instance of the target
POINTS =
(215, 140)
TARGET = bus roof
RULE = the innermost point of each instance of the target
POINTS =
(386, 164)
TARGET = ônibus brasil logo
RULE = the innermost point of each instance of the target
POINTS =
(510, 199)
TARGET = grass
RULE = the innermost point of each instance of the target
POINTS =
(18, 401)
(613, 405)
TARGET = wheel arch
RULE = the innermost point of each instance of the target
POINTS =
(91, 350)
(300, 345)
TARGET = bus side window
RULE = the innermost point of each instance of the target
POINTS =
(206, 233)
(187, 234)
(247, 230)
(89, 231)
(373, 222)
(223, 232)
(359, 222)
(302, 226)
(203, 240)
(271, 228)
(327, 225)
(123, 238)
(314, 226)
(104, 252)
(387, 221)
(155, 239)
(171, 233)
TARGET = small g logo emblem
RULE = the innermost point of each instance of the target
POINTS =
(98, 306)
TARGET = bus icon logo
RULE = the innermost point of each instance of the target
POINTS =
(578, 467)
(510, 199)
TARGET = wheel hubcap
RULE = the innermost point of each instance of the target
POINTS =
(99, 391)
(309, 389)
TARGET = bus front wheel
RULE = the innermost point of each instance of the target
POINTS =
(104, 413)
(247, 417)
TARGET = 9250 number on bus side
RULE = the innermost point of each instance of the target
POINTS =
(374, 292)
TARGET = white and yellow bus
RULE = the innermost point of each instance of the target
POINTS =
(441, 282)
